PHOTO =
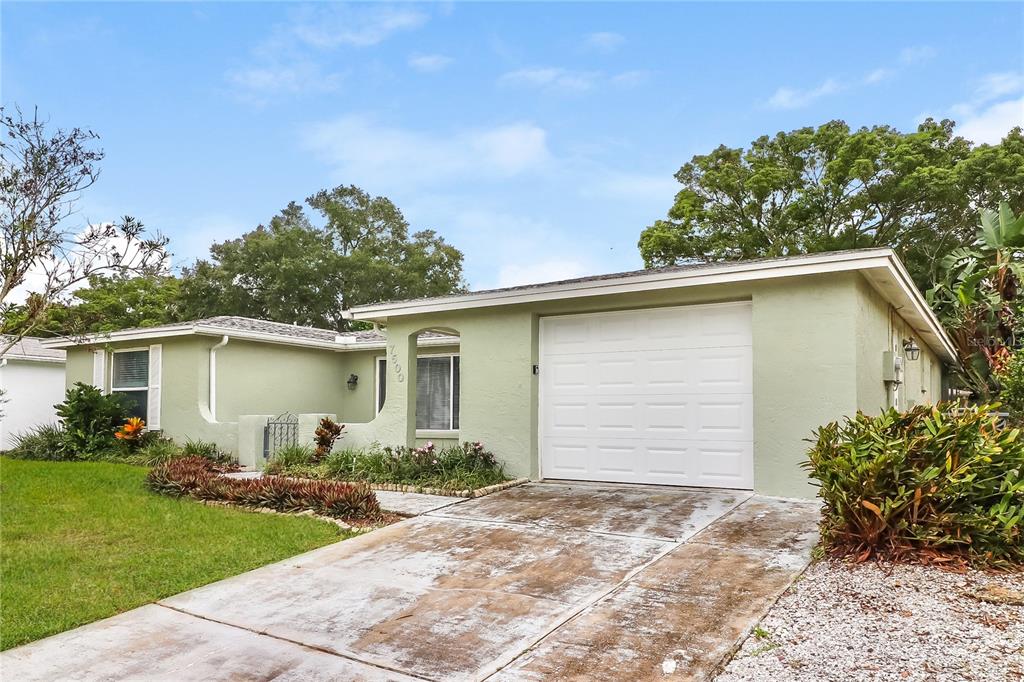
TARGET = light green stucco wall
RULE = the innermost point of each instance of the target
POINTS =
(880, 328)
(252, 378)
(808, 365)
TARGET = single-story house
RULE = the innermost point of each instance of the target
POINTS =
(700, 375)
(221, 379)
(32, 379)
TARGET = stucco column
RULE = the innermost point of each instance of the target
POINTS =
(399, 410)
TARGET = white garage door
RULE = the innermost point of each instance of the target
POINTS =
(662, 395)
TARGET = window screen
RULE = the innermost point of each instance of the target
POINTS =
(130, 378)
(437, 392)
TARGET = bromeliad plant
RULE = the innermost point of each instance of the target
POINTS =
(131, 432)
(200, 478)
(935, 484)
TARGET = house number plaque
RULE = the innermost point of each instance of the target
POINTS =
(393, 357)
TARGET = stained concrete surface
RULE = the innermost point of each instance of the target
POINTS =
(413, 504)
(157, 643)
(545, 581)
(656, 512)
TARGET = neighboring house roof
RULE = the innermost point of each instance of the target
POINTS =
(881, 267)
(251, 329)
(31, 349)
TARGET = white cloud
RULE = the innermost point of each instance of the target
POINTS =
(630, 79)
(604, 41)
(291, 59)
(879, 75)
(257, 82)
(327, 27)
(429, 63)
(633, 186)
(791, 98)
(996, 85)
(363, 151)
(996, 106)
(916, 54)
(516, 274)
(552, 78)
(990, 125)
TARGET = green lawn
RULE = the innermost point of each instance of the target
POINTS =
(81, 541)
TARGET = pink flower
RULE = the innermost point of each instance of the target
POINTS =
(435, 461)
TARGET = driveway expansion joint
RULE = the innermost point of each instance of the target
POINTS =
(304, 645)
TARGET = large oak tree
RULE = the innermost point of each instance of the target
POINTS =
(831, 188)
(296, 272)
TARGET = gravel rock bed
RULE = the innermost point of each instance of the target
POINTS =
(883, 622)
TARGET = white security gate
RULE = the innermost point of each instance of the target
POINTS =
(660, 395)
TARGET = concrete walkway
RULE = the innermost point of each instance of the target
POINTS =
(544, 581)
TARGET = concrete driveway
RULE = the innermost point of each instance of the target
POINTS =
(544, 581)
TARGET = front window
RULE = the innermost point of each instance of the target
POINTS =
(437, 391)
(130, 378)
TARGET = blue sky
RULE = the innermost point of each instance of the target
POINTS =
(538, 138)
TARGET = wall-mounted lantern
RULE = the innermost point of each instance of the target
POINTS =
(912, 350)
(353, 380)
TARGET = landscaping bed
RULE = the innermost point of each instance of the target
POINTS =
(467, 470)
(875, 621)
(82, 541)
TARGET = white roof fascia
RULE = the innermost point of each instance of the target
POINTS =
(908, 299)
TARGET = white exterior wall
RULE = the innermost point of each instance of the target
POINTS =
(32, 390)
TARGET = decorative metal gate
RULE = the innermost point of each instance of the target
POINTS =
(280, 432)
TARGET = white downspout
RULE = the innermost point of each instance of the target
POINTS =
(213, 376)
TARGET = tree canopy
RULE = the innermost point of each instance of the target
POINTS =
(295, 272)
(830, 188)
(45, 254)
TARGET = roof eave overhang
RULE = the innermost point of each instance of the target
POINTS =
(886, 266)
(206, 330)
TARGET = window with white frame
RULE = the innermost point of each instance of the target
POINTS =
(129, 376)
(437, 391)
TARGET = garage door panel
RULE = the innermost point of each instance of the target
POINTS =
(723, 369)
(568, 459)
(656, 396)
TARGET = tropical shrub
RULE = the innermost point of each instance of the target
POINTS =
(1011, 387)
(207, 449)
(290, 457)
(460, 467)
(43, 442)
(976, 297)
(325, 435)
(200, 478)
(933, 484)
(155, 450)
(89, 420)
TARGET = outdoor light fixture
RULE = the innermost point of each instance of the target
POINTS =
(912, 350)
(353, 379)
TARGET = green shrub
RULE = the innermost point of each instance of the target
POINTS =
(461, 467)
(200, 478)
(43, 442)
(155, 451)
(932, 483)
(202, 448)
(1011, 382)
(90, 420)
(290, 457)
